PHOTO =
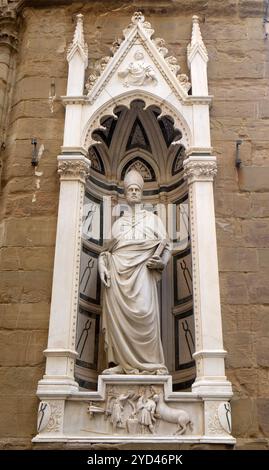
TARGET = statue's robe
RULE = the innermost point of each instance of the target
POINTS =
(130, 305)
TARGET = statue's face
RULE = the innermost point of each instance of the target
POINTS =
(133, 194)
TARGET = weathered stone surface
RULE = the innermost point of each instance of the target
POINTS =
(234, 288)
(26, 347)
(259, 205)
(229, 232)
(260, 155)
(258, 288)
(263, 255)
(20, 381)
(263, 415)
(37, 231)
(262, 384)
(25, 316)
(252, 444)
(262, 328)
(240, 350)
(249, 425)
(244, 382)
(37, 203)
(228, 108)
(27, 259)
(256, 232)
(253, 178)
(233, 205)
(17, 417)
(238, 259)
(25, 286)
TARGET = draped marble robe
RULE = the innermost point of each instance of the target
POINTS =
(130, 304)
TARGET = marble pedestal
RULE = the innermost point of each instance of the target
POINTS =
(131, 408)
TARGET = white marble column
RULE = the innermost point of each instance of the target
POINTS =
(209, 355)
(60, 353)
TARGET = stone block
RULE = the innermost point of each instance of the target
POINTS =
(37, 231)
(240, 350)
(25, 316)
(18, 416)
(229, 232)
(260, 155)
(14, 443)
(239, 317)
(27, 259)
(263, 256)
(233, 108)
(235, 89)
(256, 232)
(18, 381)
(252, 444)
(263, 415)
(262, 329)
(234, 288)
(37, 108)
(248, 426)
(44, 127)
(48, 181)
(238, 259)
(25, 286)
(38, 203)
(244, 382)
(26, 346)
(259, 204)
(249, 8)
(263, 109)
(227, 30)
(32, 88)
(262, 383)
(258, 288)
(233, 205)
(253, 178)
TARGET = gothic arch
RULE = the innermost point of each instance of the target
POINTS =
(125, 99)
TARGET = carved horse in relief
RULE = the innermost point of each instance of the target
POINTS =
(172, 415)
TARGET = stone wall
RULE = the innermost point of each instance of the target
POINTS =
(238, 79)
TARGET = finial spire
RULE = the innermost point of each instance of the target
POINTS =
(197, 44)
(78, 43)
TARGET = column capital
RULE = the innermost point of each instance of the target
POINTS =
(73, 167)
(9, 24)
(200, 168)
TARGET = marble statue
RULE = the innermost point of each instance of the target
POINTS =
(138, 73)
(130, 269)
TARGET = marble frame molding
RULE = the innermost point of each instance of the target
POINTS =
(83, 115)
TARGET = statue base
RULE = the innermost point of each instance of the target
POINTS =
(133, 408)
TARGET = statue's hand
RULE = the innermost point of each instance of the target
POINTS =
(105, 276)
(155, 262)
